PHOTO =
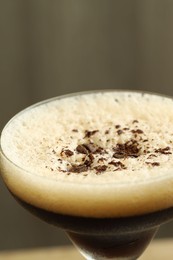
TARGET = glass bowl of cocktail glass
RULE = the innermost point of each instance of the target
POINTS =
(97, 236)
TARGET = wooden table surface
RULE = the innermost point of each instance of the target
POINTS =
(158, 250)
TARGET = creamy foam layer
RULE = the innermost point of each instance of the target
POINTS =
(96, 154)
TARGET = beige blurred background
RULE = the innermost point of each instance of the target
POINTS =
(48, 48)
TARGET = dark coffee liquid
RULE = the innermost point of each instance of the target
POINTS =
(127, 245)
(108, 237)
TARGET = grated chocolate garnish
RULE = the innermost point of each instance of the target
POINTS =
(100, 150)
(102, 159)
(82, 149)
(78, 168)
(106, 132)
(110, 154)
(68, 152)
(151, 156)
(91, 147)
(88, 133)
(135, 121)
(100, 168)
(119, 155)
(119, 132)
(153, 163)
(129, 149)
(74, 130)
(118, 164)
(89, 160)
(165, 150)
(137, 131)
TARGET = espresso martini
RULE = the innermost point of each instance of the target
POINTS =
(98, 164)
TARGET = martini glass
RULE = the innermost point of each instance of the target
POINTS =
(96, 237)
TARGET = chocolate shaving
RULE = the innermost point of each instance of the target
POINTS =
(106, 132)
(88, 163)
(81, 149)
(100, 150)
(88, 134)
(165, 150)
(100, 168)
(129, 149)
(87, 148)
(119, 132)
(74, 130)
(137, 131)
(66, 152)
(118, 164)
(102, 159)
(135, 121)
(89, 160)
(151, 156)
(91, 157)
(153, 163)
(119, 155)
(91, 147)
(78, 168)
